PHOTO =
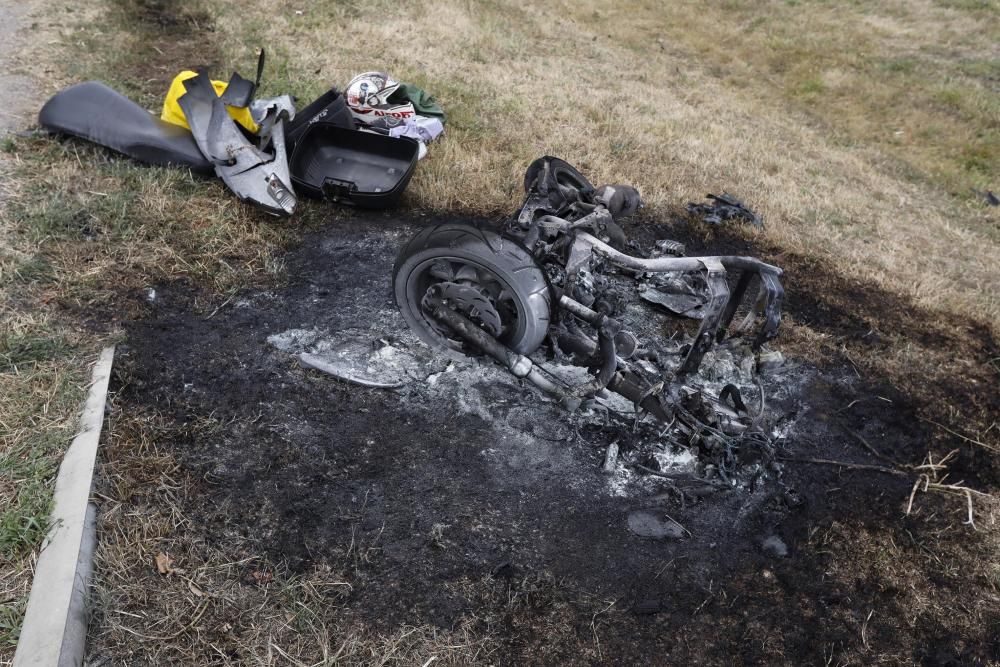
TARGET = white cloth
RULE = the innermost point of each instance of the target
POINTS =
(421, 128)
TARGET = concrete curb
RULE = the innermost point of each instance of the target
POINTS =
(54, 631)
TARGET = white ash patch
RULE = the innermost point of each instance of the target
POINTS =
(676, 459)
(727, 366)
(294, 340)
(529, 434)
(620, 482)
(432, 379)
(528, 439)
(783, 430)
(353, 355)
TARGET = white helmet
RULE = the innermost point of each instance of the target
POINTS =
(370, 89)
(368, 99)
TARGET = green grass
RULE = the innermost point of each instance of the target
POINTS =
(970, 5)
(39, 400)
(24, 523)
(885, 77)
(811, 87)
(42, 384)
(20, 350)
(900, 65)
(35, 270)
(11, 615)
(40, 405)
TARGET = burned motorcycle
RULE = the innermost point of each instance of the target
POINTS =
(554, 286)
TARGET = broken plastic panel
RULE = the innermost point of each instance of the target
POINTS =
(255, 173)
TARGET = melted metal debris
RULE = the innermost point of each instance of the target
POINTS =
(725, 207)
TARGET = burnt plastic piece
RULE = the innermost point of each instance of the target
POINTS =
(732, 392)
(95, 112)
(555, 172)
(552, 186)
(725, 207)
(352, 167)
(330, 107)
(621, 200)
(774, 294)
(239, 92)
(718, 290)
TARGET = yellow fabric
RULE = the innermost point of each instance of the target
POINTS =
(172, 112)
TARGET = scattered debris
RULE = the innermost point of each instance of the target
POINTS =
(312, 361)
(351, 355)
(238, 109)
(775, 546)
(673, 460)
(724, 207)
(686, 301)
(611, 459)
(769, 360)
(352, 167)
(646, 523)
(255, 172)
(987, 196)
(669, 247)
(381, 104)
(94, 112)
(360, 151)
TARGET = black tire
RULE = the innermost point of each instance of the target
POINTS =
(510, 264)
(561, 172)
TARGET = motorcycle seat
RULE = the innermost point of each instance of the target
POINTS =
(95, 112)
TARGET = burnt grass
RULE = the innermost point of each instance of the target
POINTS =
(301, 466)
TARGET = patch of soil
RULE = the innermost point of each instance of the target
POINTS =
(173, 36)
(470, 499)
(168, 16)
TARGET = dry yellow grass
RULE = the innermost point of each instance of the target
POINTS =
(856, 129)
(688, 97)
(41, 381)
(849, 127)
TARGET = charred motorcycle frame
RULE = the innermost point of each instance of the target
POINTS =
(552, 280)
